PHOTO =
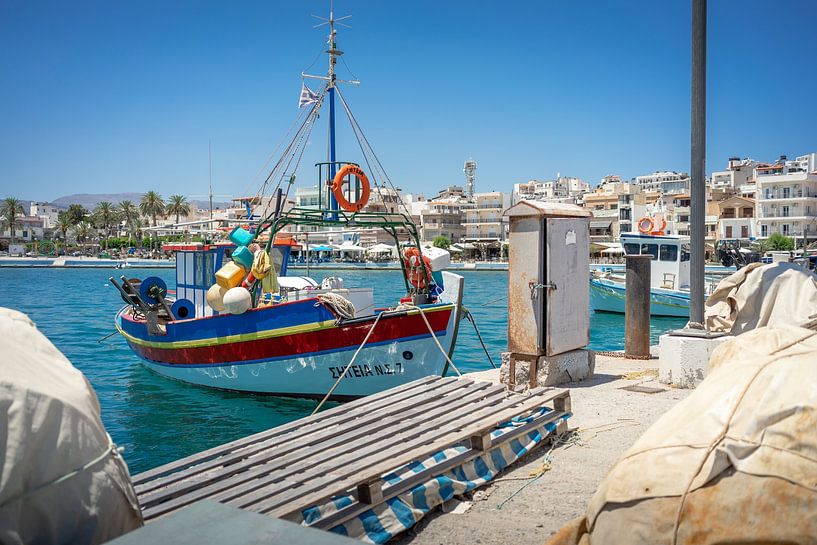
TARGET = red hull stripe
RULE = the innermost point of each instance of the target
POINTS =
(288, 346)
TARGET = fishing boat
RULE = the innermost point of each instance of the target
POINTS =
(669, 276)
(238, 322)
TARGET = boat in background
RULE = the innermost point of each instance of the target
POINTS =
(669, 276)
(239, 322)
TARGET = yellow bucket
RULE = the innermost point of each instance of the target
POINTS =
(230, 275)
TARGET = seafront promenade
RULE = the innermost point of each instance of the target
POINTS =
(302, 268)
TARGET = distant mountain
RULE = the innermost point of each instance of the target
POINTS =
(90, 200)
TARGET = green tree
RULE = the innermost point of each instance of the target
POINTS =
(63, 225)
(779, 243)
(84, 231)
(178, 206)
(105, 217)
(128, 213)
(11, 210)
(152, 206)
(76, 213)
(442, 242)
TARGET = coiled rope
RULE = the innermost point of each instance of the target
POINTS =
(342, 306)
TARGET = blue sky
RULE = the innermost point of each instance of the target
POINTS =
(101, 96)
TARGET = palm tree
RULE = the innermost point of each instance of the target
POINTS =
(11, 209)
(152, 206)
(128, 212)
(64, 224)
(179, 206)
(83, 231)
(105, 217)
(76, 213)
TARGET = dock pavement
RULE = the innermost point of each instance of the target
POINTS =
(534, 498)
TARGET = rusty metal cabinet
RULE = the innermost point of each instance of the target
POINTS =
(548, 280)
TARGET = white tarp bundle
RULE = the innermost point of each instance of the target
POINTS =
(61, 479)
(763, 295)
(735, 462)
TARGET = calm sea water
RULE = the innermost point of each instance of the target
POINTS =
(158, 420)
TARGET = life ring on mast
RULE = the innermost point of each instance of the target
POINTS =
(645, 225)
(414, 272)
(660, 230)
(337, 188)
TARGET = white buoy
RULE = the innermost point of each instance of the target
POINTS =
(237, 300)
(215, 297)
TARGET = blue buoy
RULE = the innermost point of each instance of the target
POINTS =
(151, 287)
(183, 309)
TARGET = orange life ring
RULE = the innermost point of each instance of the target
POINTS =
(411, 259)
(660, 230)
(337, 188)
(645, 225)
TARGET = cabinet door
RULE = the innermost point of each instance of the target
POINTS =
(567, 279)
(525, 300)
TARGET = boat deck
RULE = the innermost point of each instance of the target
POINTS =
(348, 449)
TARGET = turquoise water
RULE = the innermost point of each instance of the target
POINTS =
(158, 420)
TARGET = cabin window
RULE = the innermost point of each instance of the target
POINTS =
(685, 252)
(651, 249)
(669, 252)
(631, 249)
(204, 273)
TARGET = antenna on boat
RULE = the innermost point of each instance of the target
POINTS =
(331, 82)
(210, 163)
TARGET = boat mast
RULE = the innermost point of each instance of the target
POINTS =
(331, 83)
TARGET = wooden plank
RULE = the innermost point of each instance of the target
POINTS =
(322, 489)
(295, 462)
(335, 458)
(273, 454)
(326, 417)
(410, 482)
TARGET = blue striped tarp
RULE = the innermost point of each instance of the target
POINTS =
(384, 521)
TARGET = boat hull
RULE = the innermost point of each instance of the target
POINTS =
(609, 296)
(297, 349)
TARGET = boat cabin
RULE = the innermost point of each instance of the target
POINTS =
(196, 266)
(670, 258)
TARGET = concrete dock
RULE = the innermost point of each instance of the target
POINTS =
(609, 420)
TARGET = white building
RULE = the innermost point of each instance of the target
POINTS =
(739, 173)
(666, 182)
(27, 228)
(484, 220)
(563, 189)
(787, 197)
(48, 212)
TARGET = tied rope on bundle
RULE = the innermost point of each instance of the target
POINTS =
(339, 304)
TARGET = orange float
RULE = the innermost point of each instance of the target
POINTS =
(411, 259)
(645, 225)
(337, 188)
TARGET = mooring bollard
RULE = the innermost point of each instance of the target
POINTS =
(637, 306)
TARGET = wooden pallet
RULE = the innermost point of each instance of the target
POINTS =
(284, 470)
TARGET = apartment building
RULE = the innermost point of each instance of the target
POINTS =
(739, 174)
(444, 218)
(787, 197)
(631, 208)
(484, 220)
(563, 189)
(665, 182)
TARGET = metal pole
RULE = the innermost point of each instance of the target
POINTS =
(637, 306)
(698, 162)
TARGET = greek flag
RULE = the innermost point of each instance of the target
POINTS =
(307, 96)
